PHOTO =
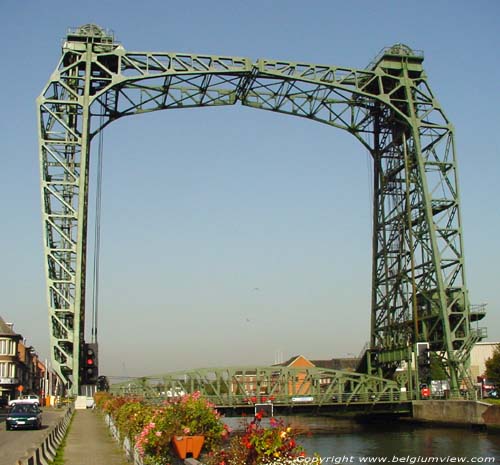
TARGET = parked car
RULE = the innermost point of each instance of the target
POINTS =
(486, 384)
(27, 399)
(24, 415)
(494, 394)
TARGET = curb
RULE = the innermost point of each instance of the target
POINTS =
(45, 452)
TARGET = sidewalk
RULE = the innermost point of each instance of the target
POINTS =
(89, 442)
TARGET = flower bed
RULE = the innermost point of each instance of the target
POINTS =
(147, 431)
(260, 445)
(151, 428)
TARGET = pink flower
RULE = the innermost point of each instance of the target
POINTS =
(158, 434)
(186, 430)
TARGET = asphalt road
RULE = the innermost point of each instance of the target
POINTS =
(14, 444)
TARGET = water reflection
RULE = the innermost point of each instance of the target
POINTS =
(346, 441)
(408, 444)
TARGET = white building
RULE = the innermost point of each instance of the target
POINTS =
(481, 352)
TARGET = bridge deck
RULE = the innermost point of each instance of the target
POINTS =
(338, 408)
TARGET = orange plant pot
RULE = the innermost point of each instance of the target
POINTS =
(185, 445)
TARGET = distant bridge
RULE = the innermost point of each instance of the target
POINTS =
(292, 389)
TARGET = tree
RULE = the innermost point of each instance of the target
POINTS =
(493, 366)
(438, 371)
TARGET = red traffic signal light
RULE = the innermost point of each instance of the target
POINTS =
(90, 370)
(89, 356)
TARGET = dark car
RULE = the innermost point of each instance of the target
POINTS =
(24, 415)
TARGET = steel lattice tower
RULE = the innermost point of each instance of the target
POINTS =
(419, 289)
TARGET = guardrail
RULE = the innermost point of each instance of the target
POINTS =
(331, 398)
(46, 451)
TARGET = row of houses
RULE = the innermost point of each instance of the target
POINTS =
(21, 369)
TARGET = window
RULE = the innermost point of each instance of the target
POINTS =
(7, 347)
(7, 370)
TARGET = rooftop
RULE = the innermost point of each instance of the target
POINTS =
(6, 329)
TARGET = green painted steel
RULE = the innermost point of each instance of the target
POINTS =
(419, 291)
(236, 387)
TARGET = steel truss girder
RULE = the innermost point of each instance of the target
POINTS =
(285, 386)
(419, 290)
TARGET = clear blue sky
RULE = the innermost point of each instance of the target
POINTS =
(255, 226)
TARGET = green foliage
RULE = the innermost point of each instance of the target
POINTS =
(493, 366)
(132, 416)
(438, 371)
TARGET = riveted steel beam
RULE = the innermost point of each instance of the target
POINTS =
(418, 279)
(236, 387)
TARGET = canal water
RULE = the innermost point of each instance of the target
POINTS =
(339, 441)
(404, 443)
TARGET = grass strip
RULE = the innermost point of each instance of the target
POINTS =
(59, 458)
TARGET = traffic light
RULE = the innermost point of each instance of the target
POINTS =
(424, 362)
(90, 367)
(424, 354)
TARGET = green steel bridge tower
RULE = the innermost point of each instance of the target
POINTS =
(419, 293)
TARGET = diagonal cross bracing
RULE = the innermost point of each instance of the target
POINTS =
(418, 279)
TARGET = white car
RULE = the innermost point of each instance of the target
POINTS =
(27, 399)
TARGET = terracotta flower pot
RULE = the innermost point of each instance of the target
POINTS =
(185, 445)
